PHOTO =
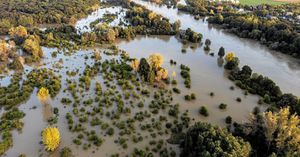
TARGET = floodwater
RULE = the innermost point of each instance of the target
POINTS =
(282, 69)
(83, 25)
(207, 75)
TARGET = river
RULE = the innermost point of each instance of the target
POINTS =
(283, 69)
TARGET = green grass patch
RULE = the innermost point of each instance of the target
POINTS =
(258, 2)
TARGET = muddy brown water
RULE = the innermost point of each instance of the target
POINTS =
(206, 75)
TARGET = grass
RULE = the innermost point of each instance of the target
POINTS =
(258, 2)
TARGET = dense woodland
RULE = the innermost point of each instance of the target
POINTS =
(30, 13)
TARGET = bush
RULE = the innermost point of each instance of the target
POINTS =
(203, 111)
(176, 90)
(228, 120)
(193, 96)
(187, 97)
(66, 152)
(222, 106)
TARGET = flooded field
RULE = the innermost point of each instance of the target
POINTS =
(207, 76)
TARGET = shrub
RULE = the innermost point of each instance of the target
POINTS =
(228, 120)
(187, 97)
(222, 106)
(203, 111)
(66, 152)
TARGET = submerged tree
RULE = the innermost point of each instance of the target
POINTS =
(221, 52)
(43, 93)
(161, 74)
(51, 138)
(156, 60)
(231, 61)
(229, 56)
(32, 46)
(207, 45)
(144, 69)
(135, 64)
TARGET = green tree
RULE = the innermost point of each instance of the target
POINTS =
(203, 139)
(144, 69)
(32, 46)
(221, 52)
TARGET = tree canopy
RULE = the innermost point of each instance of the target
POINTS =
(203, 139)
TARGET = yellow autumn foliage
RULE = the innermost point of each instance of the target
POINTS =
(156, 60)
(135, 64)
(43, 93)
(51, 138)
(152, 15)
(283, 128)
(174, 74)
(4, 50)
(32, 46)
(138, 9)
(19, 31)
(161, 74)
(229, 56)
(97, 54)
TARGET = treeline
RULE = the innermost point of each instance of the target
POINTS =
(195, 7)
(141, 21)
(260, 85)
(169, 3)
(276, 34)
(273, 26)
(267, 134)
(148, 22)
(265, 87)
(29, 13)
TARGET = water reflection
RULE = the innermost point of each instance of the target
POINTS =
(47, 110)
(220, 62)
(83, 25)
(5, 81)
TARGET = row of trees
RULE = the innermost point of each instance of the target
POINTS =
(196, 7)
(277, 34)
(257, 23)
(149, 22)
(258, 84)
